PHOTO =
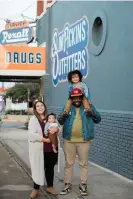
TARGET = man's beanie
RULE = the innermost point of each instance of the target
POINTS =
(76, 92)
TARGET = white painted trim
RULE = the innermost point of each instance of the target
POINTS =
(51, 4)
(43, 44)
(48, 5)
(29, 73)
(43, 13)
(45, 5)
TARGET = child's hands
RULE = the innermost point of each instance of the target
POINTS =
(53, 130)
(46, 140)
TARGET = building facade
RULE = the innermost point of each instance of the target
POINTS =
(96, 38)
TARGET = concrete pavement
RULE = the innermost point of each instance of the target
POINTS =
(14, 182)
(102, 185)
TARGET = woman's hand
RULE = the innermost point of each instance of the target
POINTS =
(46, 140)
(53, 130)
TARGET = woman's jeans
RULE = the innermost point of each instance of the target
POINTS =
(50, 160)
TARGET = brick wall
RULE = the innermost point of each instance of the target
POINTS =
(113, 144)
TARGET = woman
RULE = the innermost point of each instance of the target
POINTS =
(41, 155)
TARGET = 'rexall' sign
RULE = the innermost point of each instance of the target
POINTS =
(14, 36)
(16, 33)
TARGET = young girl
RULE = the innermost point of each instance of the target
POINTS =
(51, 122)
(75, 81)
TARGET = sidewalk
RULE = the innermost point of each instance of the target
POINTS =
(102, 185)
(14, 182)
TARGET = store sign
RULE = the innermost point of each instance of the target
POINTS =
(14, 36)
(18, 24)
(69, 50)
(22, 60)
(3, 92)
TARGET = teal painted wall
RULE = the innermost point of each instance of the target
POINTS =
(110, 76)
(110, 73)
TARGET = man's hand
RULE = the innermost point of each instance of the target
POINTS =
(89, 112)
(64, 114)
(53, 130)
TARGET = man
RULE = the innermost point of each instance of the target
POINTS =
(77, 134)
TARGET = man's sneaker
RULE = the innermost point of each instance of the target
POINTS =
(66, 189)
(83, 189)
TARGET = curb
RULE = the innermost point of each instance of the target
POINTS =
(12, 121)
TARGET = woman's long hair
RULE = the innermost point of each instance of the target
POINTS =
(35, 112)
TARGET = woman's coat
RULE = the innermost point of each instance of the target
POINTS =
(36, 151)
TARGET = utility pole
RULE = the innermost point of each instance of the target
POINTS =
(3, 95)
(28, 96)
(2, 105)
(40, 92)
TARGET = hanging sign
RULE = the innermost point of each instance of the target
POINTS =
(14, 36)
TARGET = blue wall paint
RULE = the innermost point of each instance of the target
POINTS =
(110, 74)
(110, 78)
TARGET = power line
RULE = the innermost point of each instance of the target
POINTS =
(19, 14)
(27, 8)
(26, 17)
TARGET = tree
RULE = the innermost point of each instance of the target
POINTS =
(19, 92)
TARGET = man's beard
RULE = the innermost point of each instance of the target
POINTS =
(77, 105)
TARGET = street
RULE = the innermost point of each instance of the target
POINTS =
(102, 185)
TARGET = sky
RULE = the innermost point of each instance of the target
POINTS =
(12, 10)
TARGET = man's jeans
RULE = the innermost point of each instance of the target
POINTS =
(70, 150)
